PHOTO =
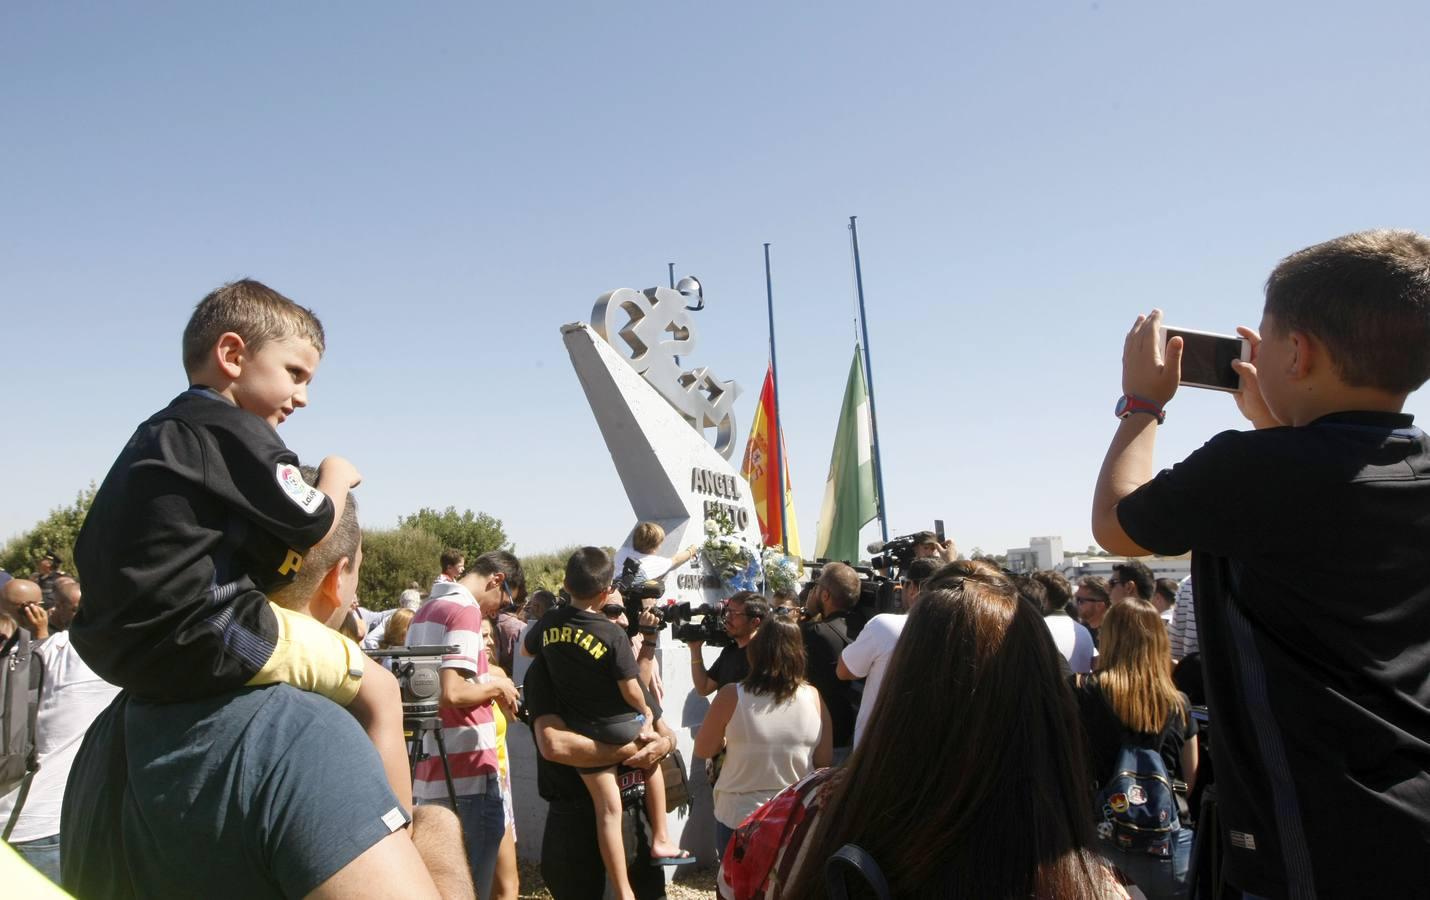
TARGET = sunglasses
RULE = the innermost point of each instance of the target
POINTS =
(613, 610)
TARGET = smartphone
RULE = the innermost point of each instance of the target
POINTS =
(938, 529)
(1207, 358)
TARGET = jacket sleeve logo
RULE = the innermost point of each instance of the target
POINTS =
(304, 495)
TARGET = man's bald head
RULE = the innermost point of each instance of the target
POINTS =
(17, 594)
(841, 584)
(67, 596)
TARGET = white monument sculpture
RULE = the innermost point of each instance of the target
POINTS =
(652, 414)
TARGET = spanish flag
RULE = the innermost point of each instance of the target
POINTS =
(777, 524)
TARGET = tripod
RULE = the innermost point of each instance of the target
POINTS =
(417, 726)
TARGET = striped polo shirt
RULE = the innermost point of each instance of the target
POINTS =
(452, 616)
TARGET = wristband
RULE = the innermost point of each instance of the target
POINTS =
(1128, 404)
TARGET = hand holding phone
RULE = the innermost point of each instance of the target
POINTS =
(1249, 399)
(1207, 358)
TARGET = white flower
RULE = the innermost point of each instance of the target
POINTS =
(712, 527)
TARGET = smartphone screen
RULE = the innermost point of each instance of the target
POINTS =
(1207, 358)
(938, 529)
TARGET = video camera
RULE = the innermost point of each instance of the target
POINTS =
(877, 593)
(894, 553)
(698, 623)
(418, 671)
(899, 552)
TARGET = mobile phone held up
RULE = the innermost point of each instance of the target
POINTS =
(1207, 358)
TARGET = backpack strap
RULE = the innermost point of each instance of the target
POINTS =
(32, 759)
(852, 857)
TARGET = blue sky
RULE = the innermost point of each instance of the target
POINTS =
(446, 184)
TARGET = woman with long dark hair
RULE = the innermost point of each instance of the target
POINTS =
(773, 727)
(1131, 702)
(970, 780)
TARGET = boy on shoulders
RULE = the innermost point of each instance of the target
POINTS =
(205, 512)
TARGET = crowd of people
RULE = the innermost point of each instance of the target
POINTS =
(201, 717)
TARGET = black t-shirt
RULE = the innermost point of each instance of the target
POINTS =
(587, 655)
(823, 642)
(203, 511)
(731, 666)
(1311, 568)
(1107, 735)
(557, 783)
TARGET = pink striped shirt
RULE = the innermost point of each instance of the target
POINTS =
(469, 732)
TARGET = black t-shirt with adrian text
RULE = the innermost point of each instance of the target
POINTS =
(587, 655)
(555, 782)
(1311, 574)
(204, 510)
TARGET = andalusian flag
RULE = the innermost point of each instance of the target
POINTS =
(776, 520)
(850, 499)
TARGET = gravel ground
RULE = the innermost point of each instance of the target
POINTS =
(699, 882)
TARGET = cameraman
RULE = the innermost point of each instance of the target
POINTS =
(744, 612)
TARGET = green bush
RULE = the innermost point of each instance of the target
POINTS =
(56, 532)
(392, 559)
(472, 533)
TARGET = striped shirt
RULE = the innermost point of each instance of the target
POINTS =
(453, 617)
(1183, 630)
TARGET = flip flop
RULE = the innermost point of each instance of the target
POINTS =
(684, 859)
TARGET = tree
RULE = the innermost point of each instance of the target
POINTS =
(472, 533)
(546, 571)
(391, 560)
(57, 531)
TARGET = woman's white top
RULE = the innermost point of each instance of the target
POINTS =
(769, 747)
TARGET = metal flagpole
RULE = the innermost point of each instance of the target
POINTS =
(869, 375)
(778, 440)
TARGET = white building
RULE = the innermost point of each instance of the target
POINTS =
(1047, 553)
(1041, 553)
(1173, 567)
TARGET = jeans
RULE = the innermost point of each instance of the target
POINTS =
(723, 833)
(483, 825)
(42, 853)
(1157, 877)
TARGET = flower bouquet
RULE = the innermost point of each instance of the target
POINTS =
(781, 572)
(727, 554)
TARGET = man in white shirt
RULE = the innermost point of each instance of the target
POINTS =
(70, 700)
(869, 654)
(1072, 638)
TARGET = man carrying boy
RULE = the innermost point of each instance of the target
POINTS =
(205, 512)
(594, 676)
(255, 792)
(1311, 558)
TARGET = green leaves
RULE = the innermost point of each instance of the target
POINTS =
(56, 532)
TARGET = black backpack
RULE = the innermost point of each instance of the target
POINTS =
(1137, 808)
(22, 678)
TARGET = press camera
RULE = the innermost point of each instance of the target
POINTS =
(418, 671)
(687, 623)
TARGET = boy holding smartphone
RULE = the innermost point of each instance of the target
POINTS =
(1310, 538)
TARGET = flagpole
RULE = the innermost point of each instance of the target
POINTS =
(778, 440)
(869, 375)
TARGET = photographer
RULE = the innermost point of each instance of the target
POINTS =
(743, 614)
(832, 600)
